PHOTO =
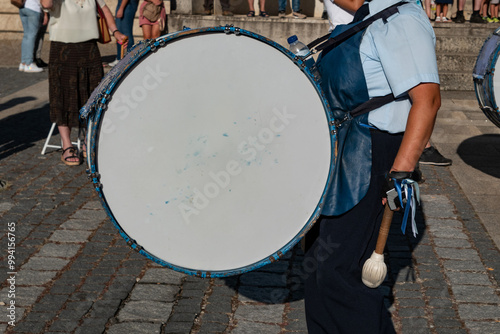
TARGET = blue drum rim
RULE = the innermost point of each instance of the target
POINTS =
(93, 111)
(483, 82)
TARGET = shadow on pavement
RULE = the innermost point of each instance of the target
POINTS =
(23, 130)
(482, 153)
(15, 101)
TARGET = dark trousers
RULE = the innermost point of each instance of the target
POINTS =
(209, 4)
(336, 299)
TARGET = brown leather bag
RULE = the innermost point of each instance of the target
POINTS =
(151, 11)
(18, 3)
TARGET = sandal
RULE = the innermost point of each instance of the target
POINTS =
(264, 14)
(73, 155)
(251, 13)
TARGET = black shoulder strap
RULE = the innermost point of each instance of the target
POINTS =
(333, 42)
(372, 104)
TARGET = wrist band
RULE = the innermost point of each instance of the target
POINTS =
(113, 33)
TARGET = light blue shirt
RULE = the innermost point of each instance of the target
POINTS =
(396, 57)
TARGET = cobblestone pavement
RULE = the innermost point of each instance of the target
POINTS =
(72, 271)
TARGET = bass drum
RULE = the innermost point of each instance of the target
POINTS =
(210, 149)
(486, 81)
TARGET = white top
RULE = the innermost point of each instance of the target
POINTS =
(34, 5)
(337, 15)
(74, 21)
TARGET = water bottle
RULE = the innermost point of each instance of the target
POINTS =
(298, 48)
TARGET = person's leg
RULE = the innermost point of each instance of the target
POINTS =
(459, 17)
(336, 300)
(146, 31)
(68, 155)
(428, 8)
(155, 31)
(37, 53)
(282, 5)
(296, 6)
(31, 22)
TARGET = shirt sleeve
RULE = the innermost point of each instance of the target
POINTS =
(406, 49)
(101, 3)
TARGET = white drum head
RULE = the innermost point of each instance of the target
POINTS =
(214, 152)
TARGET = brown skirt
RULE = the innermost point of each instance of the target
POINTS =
(75, 69)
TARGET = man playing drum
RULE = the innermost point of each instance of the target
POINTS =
(389, 69)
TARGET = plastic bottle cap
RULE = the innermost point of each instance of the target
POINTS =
(292, 39)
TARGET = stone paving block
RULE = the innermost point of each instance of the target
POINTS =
(478, 312)
(46, 263)
(165, 293)
(25, 296)
(134, 327)
(480, 327)
(475, 294)
(216, 317)
(66, 326)
(441, 206)
(34, 277)
(452, 243)
(443, 313)
(452, 233)
(58, 250)
(145, 311)
(411, 312)
(96, 215)
(178, 327)
(263, 295)
(261, 313)
(80, 224)
(463, 265)
(247, 327)
(70, 236)
(162, 275)
(263, 279)
(183, 316)
(462, 277)
(457, 254)
(212, 327)
(219, 307)
(411, 302)
(434, 224)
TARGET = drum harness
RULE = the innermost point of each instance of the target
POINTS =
(325, 44)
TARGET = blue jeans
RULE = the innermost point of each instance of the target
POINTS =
(31, 21)
(295, 5)
(126, 23)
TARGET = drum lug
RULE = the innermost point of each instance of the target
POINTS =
(152, 44)
(236, 31)
(228, 28)
(137, 248)
(93, 175)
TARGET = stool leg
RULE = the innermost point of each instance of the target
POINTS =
(48, 138)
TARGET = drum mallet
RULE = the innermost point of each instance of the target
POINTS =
(374, 269)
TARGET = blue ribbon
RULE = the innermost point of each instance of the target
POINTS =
(412, 195)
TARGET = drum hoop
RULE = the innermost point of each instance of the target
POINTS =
(96, 106)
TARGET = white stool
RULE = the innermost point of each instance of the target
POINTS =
(77, 143)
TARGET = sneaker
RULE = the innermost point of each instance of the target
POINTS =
(496, 20)
(438, 18)
(207, 12)
(445, 19)
(32, 68)
(113, 63)
(459, 18)
(476, 18)
(298, 15)
(227, 13)
(281, 14)
(22, 67)
(40, 63)
(431, 156)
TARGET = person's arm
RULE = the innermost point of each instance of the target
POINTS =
(350, 5)
(119, 12)
(47, 4)
(120, 38)
(426, 100)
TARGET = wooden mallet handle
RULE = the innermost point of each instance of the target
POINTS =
(384, 230)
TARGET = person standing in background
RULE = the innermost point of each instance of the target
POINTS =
(37, 52)
(337, 15)
(124, 17)
(31, 18)
(295, 9)
(75, 66)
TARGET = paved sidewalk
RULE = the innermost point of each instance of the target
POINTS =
(72, 271)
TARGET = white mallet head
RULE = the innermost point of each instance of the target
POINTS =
(374, 271)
